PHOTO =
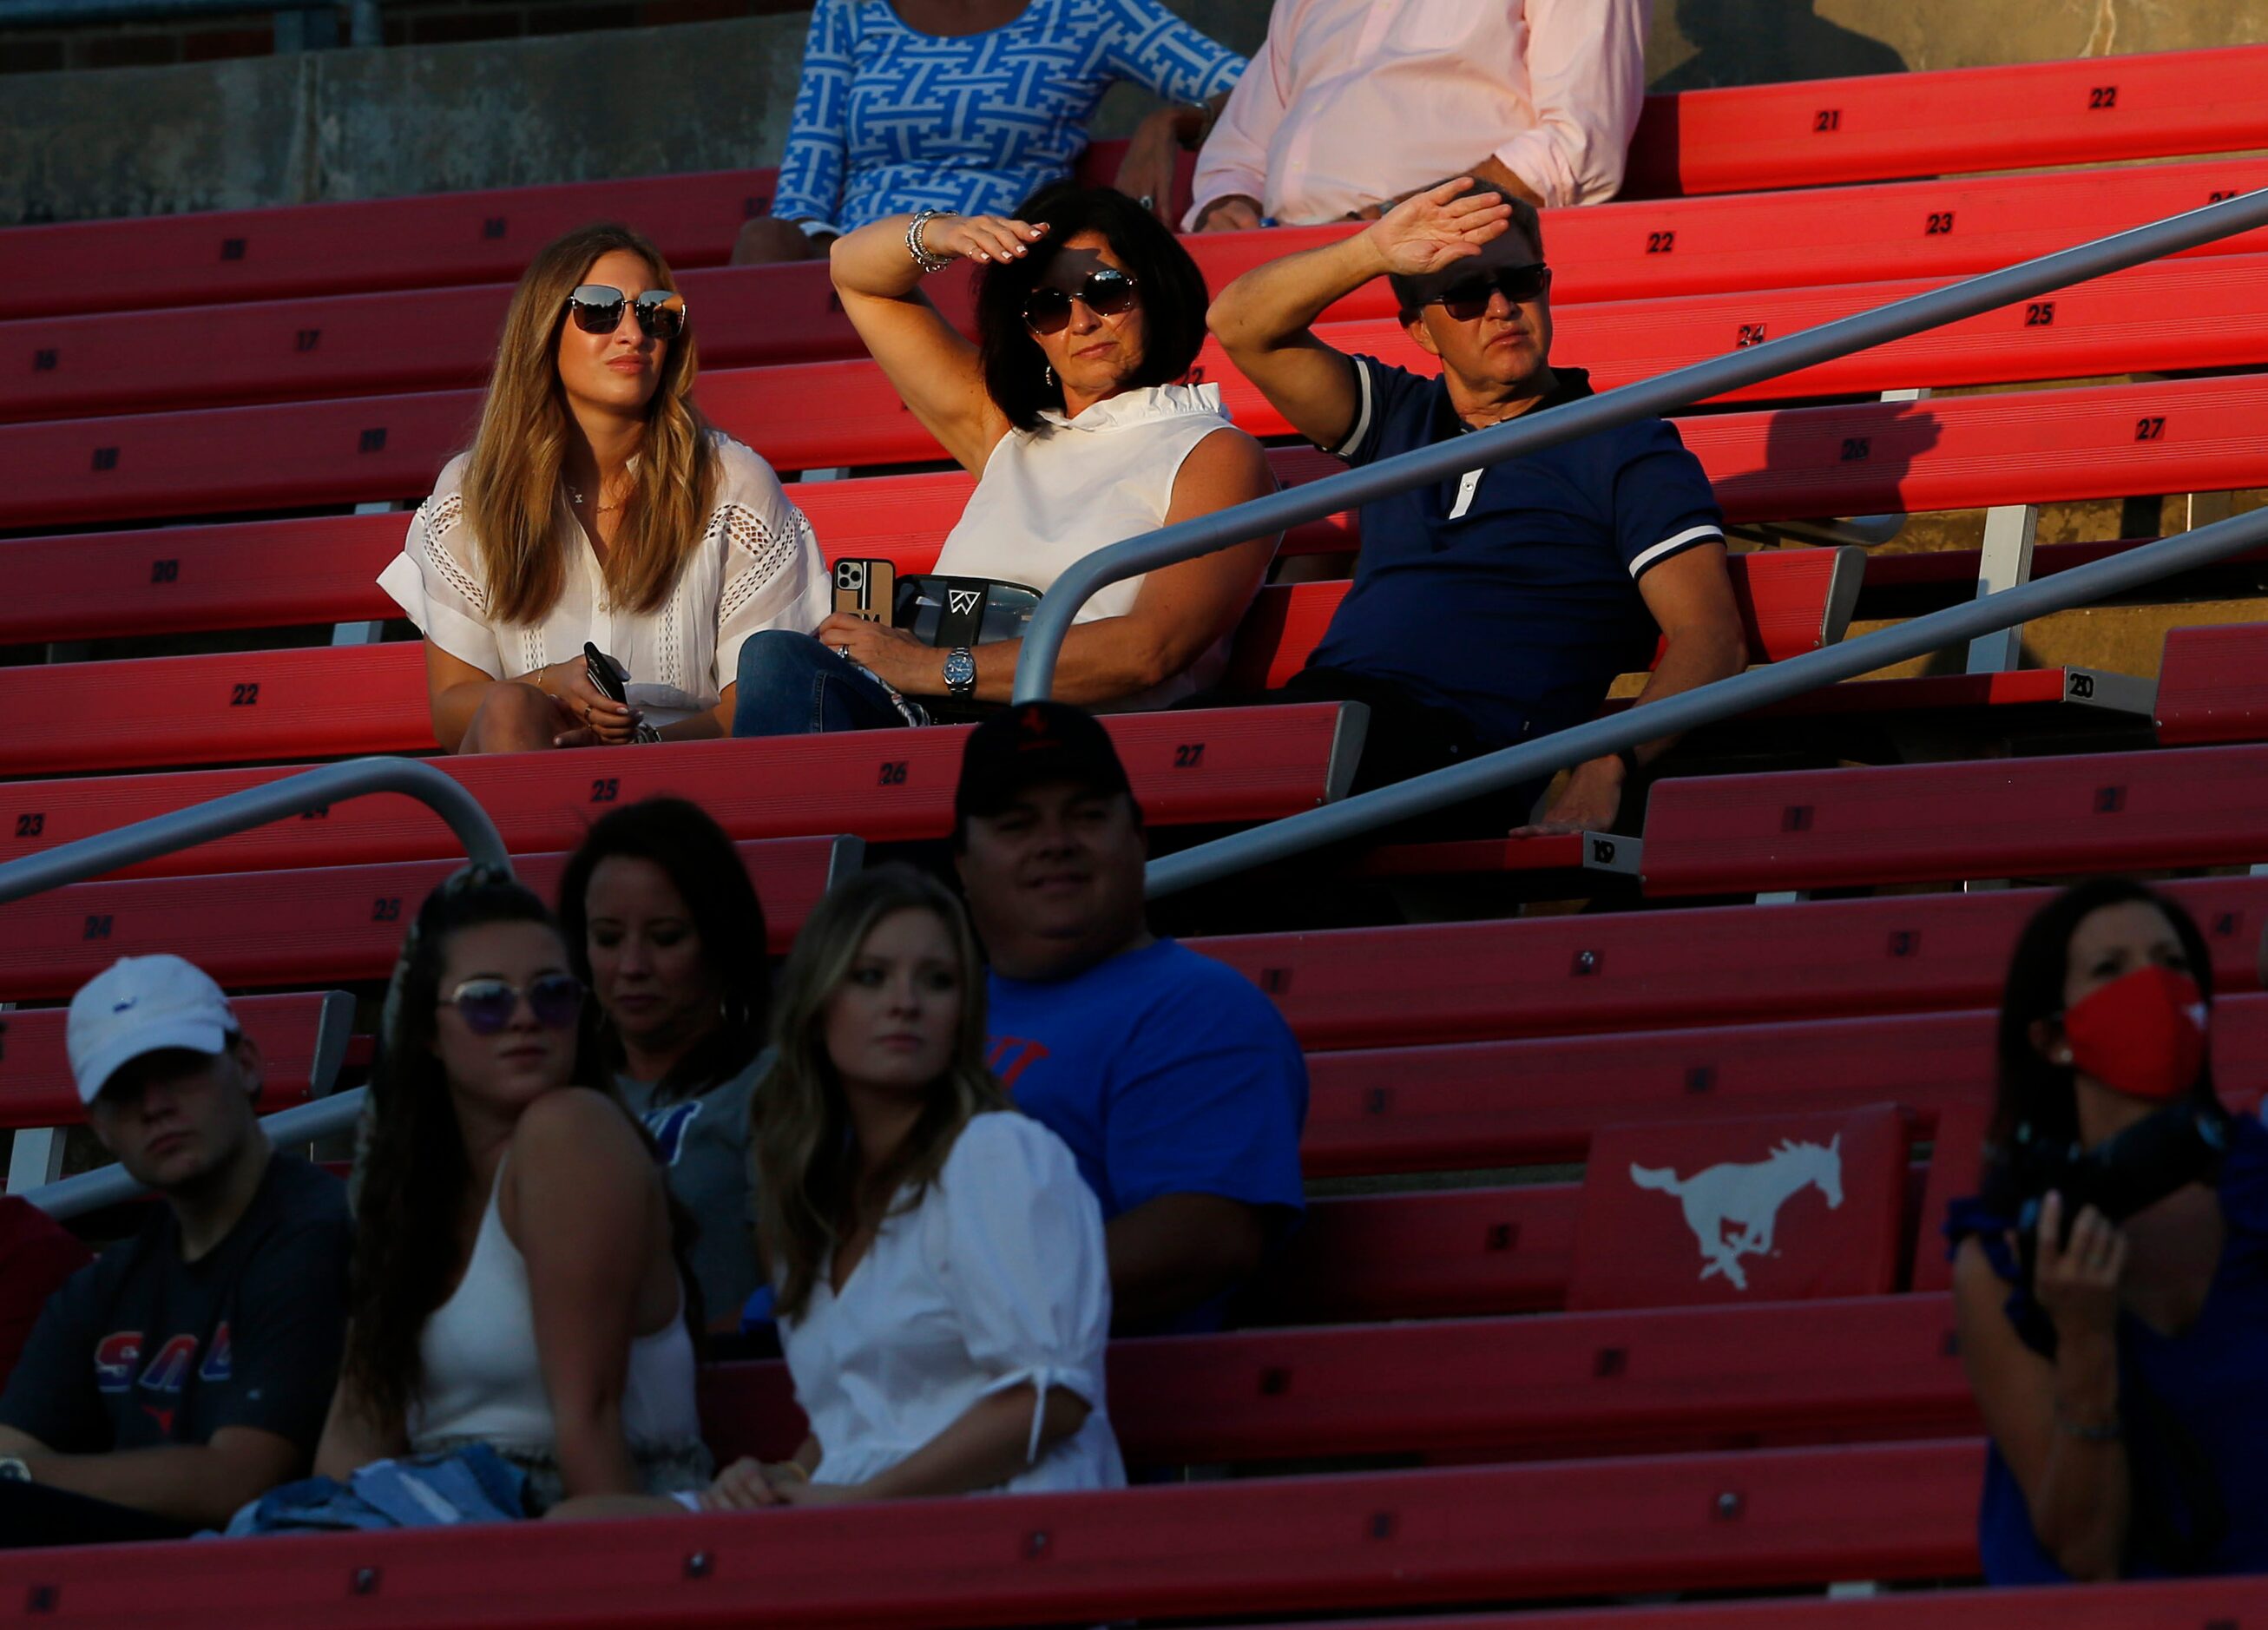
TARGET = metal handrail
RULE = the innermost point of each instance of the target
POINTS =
(110, 1185)
(1674, 715)
(256, 805)
(1043, 637)
(182, 829)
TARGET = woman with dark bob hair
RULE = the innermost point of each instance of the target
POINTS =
(514, 1281)
(663, 927)
(2117, 1359)
(1068, 412)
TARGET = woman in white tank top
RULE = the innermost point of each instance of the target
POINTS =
(1067, 412)
(514, 1283)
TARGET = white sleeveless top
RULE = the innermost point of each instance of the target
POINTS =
(1050, 497)
(484, 1380)
(756, 566)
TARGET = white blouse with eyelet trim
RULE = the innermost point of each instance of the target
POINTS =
(757, 566)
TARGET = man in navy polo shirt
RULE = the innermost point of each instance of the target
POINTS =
(1501, 604)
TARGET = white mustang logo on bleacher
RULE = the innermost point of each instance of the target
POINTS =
(1748, 1198)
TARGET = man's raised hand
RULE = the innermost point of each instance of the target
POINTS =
(1439, 227)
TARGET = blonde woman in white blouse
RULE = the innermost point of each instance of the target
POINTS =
(944, 1295)
(595, 505)
(1068, 411)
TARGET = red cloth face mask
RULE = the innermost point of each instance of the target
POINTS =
(2143, 1034)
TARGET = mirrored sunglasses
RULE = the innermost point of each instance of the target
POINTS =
(596, 308)
(488, 1004)
(1107, 293)
(1520, 284)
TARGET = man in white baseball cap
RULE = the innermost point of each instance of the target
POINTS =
(187, 1370)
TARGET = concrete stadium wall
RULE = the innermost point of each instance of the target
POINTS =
(613, 101)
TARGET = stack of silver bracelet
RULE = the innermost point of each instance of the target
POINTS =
(922, 258)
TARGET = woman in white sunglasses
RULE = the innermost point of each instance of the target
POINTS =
(596, 506)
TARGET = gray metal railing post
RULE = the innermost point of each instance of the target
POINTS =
(110, 1185)
(256, 805)
(1548, 755)
(1646, 398)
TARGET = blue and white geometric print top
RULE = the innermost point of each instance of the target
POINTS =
(890, 120)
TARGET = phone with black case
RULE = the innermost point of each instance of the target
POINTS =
(600, 667)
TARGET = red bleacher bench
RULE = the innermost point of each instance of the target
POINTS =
(1779, 1208)
(1393, 1539)
(2213, 686)
(2027, 817)
(2203, 1604)
(1711, 965)
(2106, 441)
(1187, 767)
(342, 923)
(302, 1037)
(1807, 134)
(2193, 311)
(1588, 1383)
(1467, 1105)
(1813, 132)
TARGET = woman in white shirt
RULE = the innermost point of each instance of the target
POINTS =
(943, 1293)
(596, 505)
(1066, 411)
(515, 1282)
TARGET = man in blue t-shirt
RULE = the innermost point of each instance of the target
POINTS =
(1499, 605)
(1177, 1084)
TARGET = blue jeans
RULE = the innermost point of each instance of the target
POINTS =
(791, 685)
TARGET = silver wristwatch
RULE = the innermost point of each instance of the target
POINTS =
(12, 1470)
(959, 672)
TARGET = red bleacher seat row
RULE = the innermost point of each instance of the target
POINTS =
(2025, 817)
(2215, 1603)
(1474, 1105)
(1707, 965)
(342, 923)
(1870, 1367)
(1818, 132)
(2185, 312)
(303, 1042)
(1399, 1539)
(250, 706)
(1188, 767)
(1790, 602)
(2199, 435)
(1807, 134)
(271, 574)
(2213, 685)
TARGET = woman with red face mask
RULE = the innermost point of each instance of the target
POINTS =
(2111, 1281)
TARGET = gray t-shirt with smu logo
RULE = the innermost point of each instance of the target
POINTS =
(702, 1140)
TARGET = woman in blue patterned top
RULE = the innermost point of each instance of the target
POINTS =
(972, 106)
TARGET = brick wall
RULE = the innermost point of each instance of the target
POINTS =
(406, 22)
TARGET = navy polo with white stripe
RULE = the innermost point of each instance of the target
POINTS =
(1510, 595)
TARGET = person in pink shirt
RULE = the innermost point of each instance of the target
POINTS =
(1353, 105)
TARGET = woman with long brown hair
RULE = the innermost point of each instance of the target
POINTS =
(597, 505)
(514, 1281)
(943, 1292)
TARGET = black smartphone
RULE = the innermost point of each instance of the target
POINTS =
(601, 667)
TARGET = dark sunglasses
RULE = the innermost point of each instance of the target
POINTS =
(488, 1004)
(1469, 299)
(1107, 293)
(596, 308)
